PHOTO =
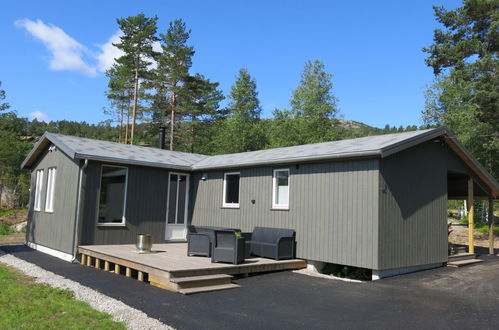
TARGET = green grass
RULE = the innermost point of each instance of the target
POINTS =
(27, 305)
(481, 227)
(8, 212)
(5, 228)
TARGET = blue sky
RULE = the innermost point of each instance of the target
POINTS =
(53, 52)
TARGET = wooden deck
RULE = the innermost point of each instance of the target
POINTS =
(169, 267)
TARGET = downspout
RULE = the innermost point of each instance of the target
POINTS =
(78, 210)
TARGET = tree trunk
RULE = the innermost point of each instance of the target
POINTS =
(172, 121)
(193, 120)
(134, 110)
(120, 134)
(127, 127)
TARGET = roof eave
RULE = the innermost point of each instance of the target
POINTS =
(132, 162)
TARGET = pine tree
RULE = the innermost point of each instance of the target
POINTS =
(172, 71)
(465, 95)
(200, 105)
(136, 42)
(120, 94)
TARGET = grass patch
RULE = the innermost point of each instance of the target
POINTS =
(27, 305)
(4, 212)
(481, 227)
(6, 228)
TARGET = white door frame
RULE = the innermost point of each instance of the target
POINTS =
(177, 232)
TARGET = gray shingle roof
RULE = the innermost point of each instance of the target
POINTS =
(77, 147)
(365, 146)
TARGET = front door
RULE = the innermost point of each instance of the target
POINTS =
(177, 208)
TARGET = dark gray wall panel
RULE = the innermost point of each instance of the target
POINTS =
(145, 207)
(413, 207)
(54, 230)
(333, 208)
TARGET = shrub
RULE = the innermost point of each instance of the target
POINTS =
(6, 228)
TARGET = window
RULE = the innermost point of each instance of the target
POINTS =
(49, 199)
(112, 195)
(231, 189)
(280, 189)
(38, 190)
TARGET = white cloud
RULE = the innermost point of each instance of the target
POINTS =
(38, 115)
(109, 52)
(66, 53)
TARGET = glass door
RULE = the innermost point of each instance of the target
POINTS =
(177, 208)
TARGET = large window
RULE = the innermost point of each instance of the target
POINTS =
(231, 189)
(38, 190)
(49, 199)
(280, 190)
(112, 196)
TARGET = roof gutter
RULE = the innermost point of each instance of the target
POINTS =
(78, 211)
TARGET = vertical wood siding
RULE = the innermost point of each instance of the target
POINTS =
(413, 207)
(145, 207)
(56, 229)
(333, 208)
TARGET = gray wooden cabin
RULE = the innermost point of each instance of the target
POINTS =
(376, 202)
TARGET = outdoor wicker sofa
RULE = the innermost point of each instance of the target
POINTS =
(275, 243)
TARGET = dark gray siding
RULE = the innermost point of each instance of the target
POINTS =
(413, 206)
(333, 208)
(55, 230)
(145, 207)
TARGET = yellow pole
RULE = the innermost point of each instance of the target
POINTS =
(491, 225)
(106, 265)
(471, 224)
(117, 269)
(83, 259)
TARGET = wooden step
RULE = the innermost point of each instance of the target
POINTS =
(461, 256)
(201, 281)
(209, 288)
(461, 263)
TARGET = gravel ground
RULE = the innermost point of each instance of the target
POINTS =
(133, 318)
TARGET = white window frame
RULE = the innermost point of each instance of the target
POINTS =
(276, 206)
(123, 220)
(231, 205)
(49, 195)
(37, 200)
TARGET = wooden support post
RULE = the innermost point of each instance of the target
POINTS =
(128, 272)
(97, 263)
(471, 224)
(491, 225)
(117, 269)
(89, 261)
(83, 259)
(106, 266)
(140, 276)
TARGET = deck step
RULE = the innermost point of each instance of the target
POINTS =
(209, 288)
(461, 263)
(200, 278)
(461, 256)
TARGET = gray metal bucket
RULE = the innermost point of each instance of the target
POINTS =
(144, 243)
